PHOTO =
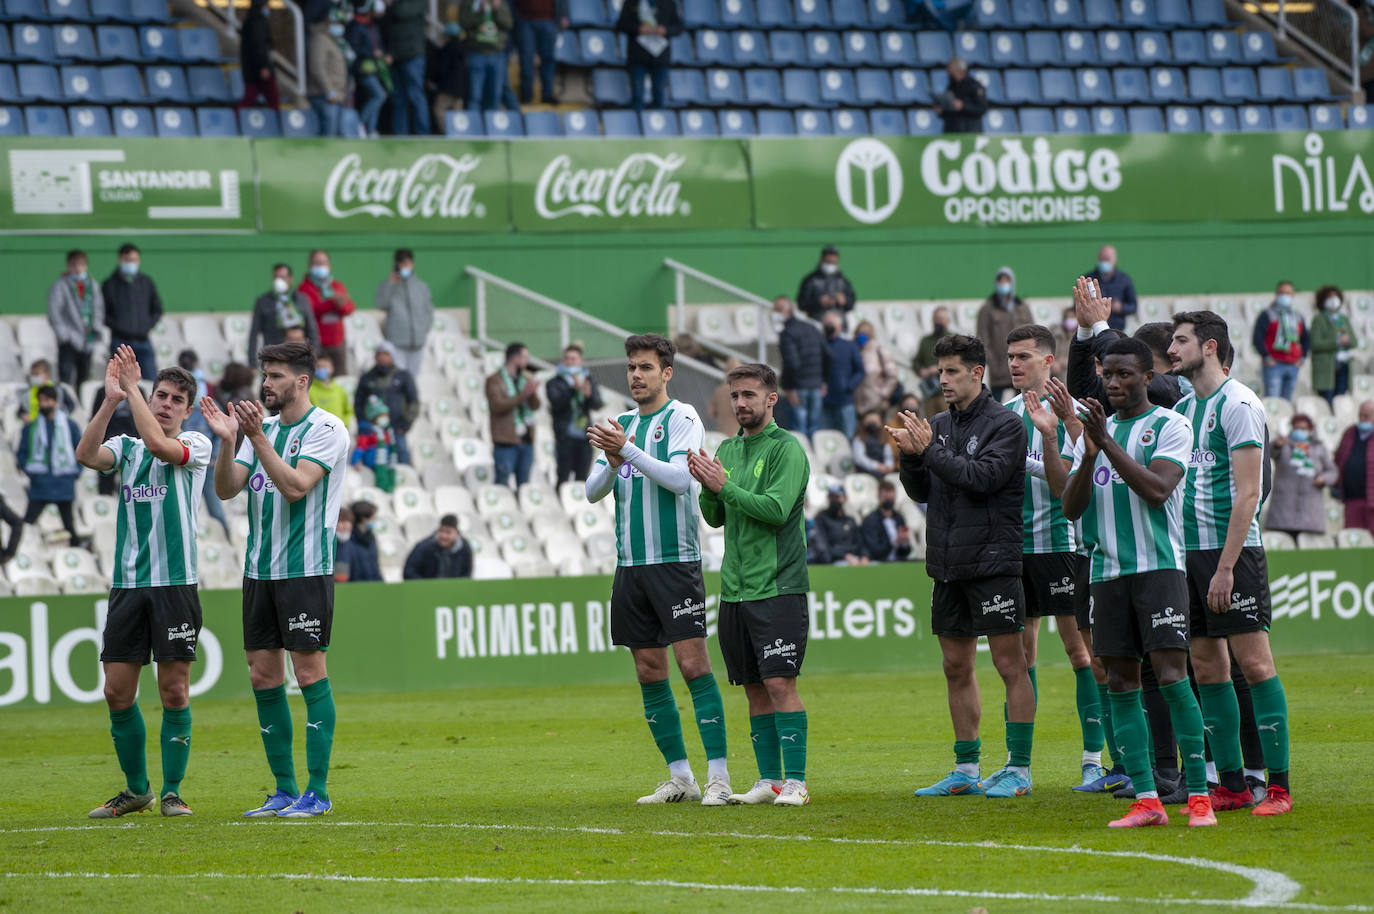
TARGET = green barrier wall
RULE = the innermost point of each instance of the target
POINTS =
(434, 635)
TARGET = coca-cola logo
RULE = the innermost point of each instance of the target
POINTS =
(434, 186)
(641, 185)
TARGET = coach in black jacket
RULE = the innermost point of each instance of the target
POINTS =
(968, 465)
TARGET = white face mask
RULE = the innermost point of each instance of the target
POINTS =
(1332, 304)
(830, 269)
(280, 286)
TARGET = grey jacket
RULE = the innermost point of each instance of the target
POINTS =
(1296, 504)
(64, 310)
(409, 311)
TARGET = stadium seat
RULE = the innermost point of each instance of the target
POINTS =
(776, 14)
(860, 48)
(1057, 86)
(1139, 14)
(813, 123)
(885, 14)
(973, 48)
(1204, 84)
(1238, 84)
(1166, 85)
(924, 123)
(823, 49)
(874, 87)
(1309, 85)
(1100, 14)
(302, 123)
(1360, 117)
(713, 49)
(1325, 117)
(911, 87)
(1219, 119)
(74, 42)
(772, 122)
(1043, 49)
(809, 14)
(933, 48)
(724, 87)
(1022, 88)
(599, 47)
(897, 48)
(1066, 14)
(148, 11)
(991, 14)
(568, 51)
(1189, 47)
(175, 122)
(1029, 14)
(1290, 117)
(787, 49)
(750, 48)
(89, 120)
(463, 124)
(658, 123)
(111, 11)
(686, 88)
(33, 42)
(849, 123)
(587, 14)
(736, 123)
(543, 124)
(1258, 48)
(11, 121)
(1036, 120)
(167, 84)
(1145, 120)
(762, 88)
(40, 82)
(1223, 47)
(1114, 48)
(259, 122)
(620, 123)
(992, 85)
(1000, 122)
(216, 122)
(611, 88)
(698, 14)
(82, 84)
(117, 43)
(207, 84)
(1071, 120)
(1275, 84)
(887, 122)
(1210, 13)
(1172, 14)
(837, 87)
(159, 43)
(132, 122)
(26, 11)
(800, 89)
(45, 121)
(503, 123)
(699, 123)
(581, 123)
(9, 85)
(848, 14)
(1151, 48)
(1255, 119)
(1079, 48)
(1109, 120)
(738, 14)
(1009, 49)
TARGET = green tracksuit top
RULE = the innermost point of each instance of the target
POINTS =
(762, 506)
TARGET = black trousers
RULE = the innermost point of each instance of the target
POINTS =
(73, 365)
(64, 508)
(574, 456)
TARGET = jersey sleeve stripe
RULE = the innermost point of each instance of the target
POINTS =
(1170, 459)
(114, 466)
(316, 460)
(1236, 447)
(243, 463)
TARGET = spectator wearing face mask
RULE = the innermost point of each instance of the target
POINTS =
(927, 367)
(47, 455)
(132, 309)
(1334, 343)
(1063, 339)
(880, 371)
(326, 66)
(1302, 469)
(1115, 284)
(278, 310)
(886, 535)
(1281, 338)
(375, 446)
(835, 536)
(40, 376)
(329, 395)
(873, 451)
(446, 74)
(329, 301)
(825, 288)
(404, 298)
(395, 387)
(846, 374)
(76, 312)
(444, 555)
(1002, 311)
(573, 395)
(355, 548)
(1355, 462)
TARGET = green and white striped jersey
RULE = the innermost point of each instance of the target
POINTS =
(652, 525)
(1128, 536)
(1230, 419)
(295, 540)
(1046, 529)
(155, 528)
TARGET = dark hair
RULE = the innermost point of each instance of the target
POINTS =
(236, 375)
(1323, 294)
(1284, 282)
(1132, 347)
(345, 515)
(179, 377)
(283, 266)
(514, 349)
(128, 247)
(47, 391)
(75, 254)
(299, 357)
(573, 347)
(41, 363)
(968, 349)
(1037, 333)
(1158, 335)
(403, 254)
(1301, 417)
(754, 371)
(313, 251)
(187, 355)
(1208, 325)
(449, 520)
(659, 345)
(887, 485)
(364, 510)
(1114, 333)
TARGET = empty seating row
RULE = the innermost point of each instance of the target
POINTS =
(1176, 119)
(88, 120)
(119, 84)
(135, 11)
(150, 43)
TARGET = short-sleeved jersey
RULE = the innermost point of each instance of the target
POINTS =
(1046, 528)
(295, 539)
(1129, 536)
(652, 525)
(155, 523)
(1230, 419)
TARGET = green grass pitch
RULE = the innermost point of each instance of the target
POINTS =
(523, 800)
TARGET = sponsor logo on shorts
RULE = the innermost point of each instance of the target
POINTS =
(779, 648)
(185, 633)
(687, 607)
(998, 605)
(1065, 586)
(1245, 605)
(1169, 617)
(303, 623)
(144, 493)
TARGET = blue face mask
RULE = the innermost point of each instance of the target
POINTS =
(80, 277)
(406, 272)
(862, 339)
(323, 373)
(1300, 435)
(128, 267)
(1004, 288)
(1105, 267)
(320, 272)
(1283, 301)
(451, 29)
(1364, 428)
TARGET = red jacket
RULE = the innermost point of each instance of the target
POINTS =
(1343, 454)
(329, 312)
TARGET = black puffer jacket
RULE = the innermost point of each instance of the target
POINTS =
(973, 479)
(1083, 381)
(805, 356)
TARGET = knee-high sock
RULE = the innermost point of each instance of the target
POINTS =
(763, 733)
(1221, 719)
(319, 734)
(176, 748)
(660, 712)
(1187, 720)
(274, 720)
(1271, 714)
(131, 747)
(1163, 746)
(1132, 739)
(710, 711)
(792, 737)
(1035, 686)
(1108, 731)
(1251, 751)
(1089, 714)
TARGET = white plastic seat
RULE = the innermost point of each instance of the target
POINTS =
(490, 568)
(492, 500)
(408, 500)
(471, 452)
(1355, 538)
(453, 499)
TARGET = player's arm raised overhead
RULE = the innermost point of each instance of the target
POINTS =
(1156, 482)
(230, 475)
(294, 483)
(168, 450)
(89, 450)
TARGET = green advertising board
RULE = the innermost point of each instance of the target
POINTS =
(108, 185)
(533, 632)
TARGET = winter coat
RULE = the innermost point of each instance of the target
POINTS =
(832, 538)
(1343, 454)
(395, 388)
(1295, 505)
(666, 14)
(972, 478)
(264, 323)
(1083, 381)
(255, 45)
(817, 283)
(501, 411)
(360, 554)
(132, 306)
(1325, 334)
(326, 67)
(403, 28)
(995, 321)
(880, 379)
(1265, 339)
(329, 312)
(1121, 290)
(430, 560)
(409, 311)
(846, 372)
(64, 311)
(968, 119)
(560, 394)
(805, 356)
(473, 20)
(878, 543)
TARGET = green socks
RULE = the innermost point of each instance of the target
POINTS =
(1035, 686)
(1187, 720)
(710, 711)
(1271, 715)
(319, 734)
(176, 748)
(1104, 704)
(1089, 714)
(1221, 719)
(660, 712)
(131, 746)
(1019, 737)
(274, 720)
(1132, 746)
(792, 736)
(966, 751)
(763, 732)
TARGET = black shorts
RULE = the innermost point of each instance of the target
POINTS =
(763, 639)
(1249, 611)
(984, 606)
(296, 614)
(1139, 613)
(1050, 582)
(1083, 592)
(657, 605)
(161, 621)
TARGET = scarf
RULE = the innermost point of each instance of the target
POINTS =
(51, 451)
(574, 376)
(654, 44)
(1287, 336)
(85, 296)
(1301, 459)
(487, 32)
(523, 413)
(288, 315)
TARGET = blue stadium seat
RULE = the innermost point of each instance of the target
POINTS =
(1043, 49)
(11, 121)
(33, 42)
(885, 14)
(117, 43)
(301, 122)
(111, 11)
(992, 85)
(837, 88)
(1151, 48)
(823, 49)
(1131, 85)
(683, 54)
(1309, 84)
(199, 45)
(874, 87)
(122, 84)
(1204, 85)
(1009, 48)
(1325, 117)
(1290, 117)
(724, 87)
(89, 120)
(148, 11)
(1109, 120)
(898, 49)
(934, 48)
(9, 85)
(503, 123)
(1182, 120)
(776, 123)
(26, 11)
(738, 14)
(1072, 121)
(762, 88)
(620, 123)
(861, 49)
(911, 87)
(886, 122)
(1094, 85)
(736, 123)
(659, 123)
(599, 46)
(1258, 47)
(1189, 47)
(74, 42)
(1219, 119)
(1000, 122)
(216, 122)
(1145, 120)
(159, 42)
(1029, 14)
(810, 14)
(922, 122)
(750, 48)
(1023, 88)
(849, 14)
(939, 80)
(568, 51)
(1080, 48)
(235, 84)
(259, 122)
(698, 14)
(581, 123)
(1057, 86)
(1100, 14)
(611, 88)
(1114, 47)
(686, 88)
(83, 84)
(131, 122)
(1238, 84)
(849, 123)
(1166, 85)
(543, 124)
(775, 14)
(1360, 117)
(45, 121)
(1139, 14)
(1210, 13)
(699, 123)
(1173, 14)
(713, 49)
(973, 48)
(1223, 47)
(1036, 120)
(813, 123)
(787, 49)
(1066, 14)
(587, 14)
(1275, 84)
(5, 52)
(991, 14)
(207, 84)
(800, 89)
(1255, 119)
(40, 82)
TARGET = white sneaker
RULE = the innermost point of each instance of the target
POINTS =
(673, 790)
(794, 793)
(717, 792)
(763, 791)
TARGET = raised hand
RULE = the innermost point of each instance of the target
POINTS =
(918, 429)
(1087, 304)
(1045, 422)
(706, 470)
(250, 413)
(1060, 400)
(130, 373)
(113, 390)
(224, 425)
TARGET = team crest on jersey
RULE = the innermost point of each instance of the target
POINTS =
(1147, 437)
(758, 468)
(294, 448)
(1211, 422)
(972, 445)
(658, 434)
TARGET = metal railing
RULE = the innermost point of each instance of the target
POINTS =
(681, 273)
(298, 19)
(1328, 30)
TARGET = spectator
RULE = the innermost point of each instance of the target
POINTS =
(409, 311)
(836, 539)
(938, 14)
(328, 395)
(910, 403)
(719, 409)
(1093, 335)
(1063, 338)
(326, 71)
(805, 366)
(873, 450)
(40, 376)
(76, 311)
(1116, 285)
(355, 552)
(687, 345)
(366, 542)
(885, 533)
(370, 72)
(446, 74)
(237, 383)
(375, 446)
(330, 304)
(962, 105)
(880, 383)
(825, 288)
(1333, 344)
(650, 25)
(255, 58)
(512, 399)
(403, 29)
(1281, 338)
(132, 309)
(395, 387)
(1355, 463)
(277, 311)
(1002, 311)
(846, 374)
(444, 555)
(486, 25)
(537, 33)
(1302, 469)
(573, 394)
(47, 455)
(927, 367)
